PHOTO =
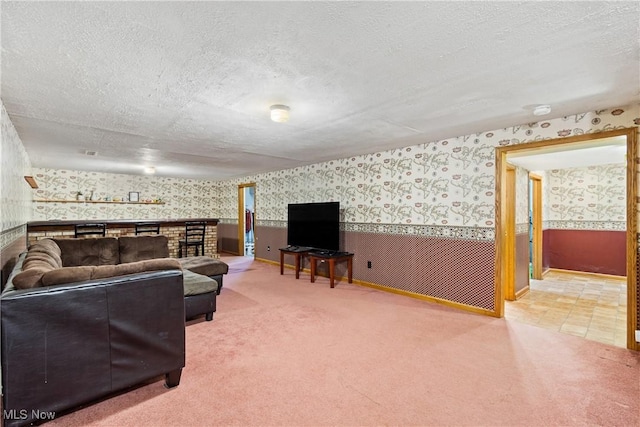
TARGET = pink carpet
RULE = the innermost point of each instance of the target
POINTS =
(286, 352)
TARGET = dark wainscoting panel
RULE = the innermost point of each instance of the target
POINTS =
(593, 251)
(522, 261)
(228, 238)
(455, 270)
(268, 241)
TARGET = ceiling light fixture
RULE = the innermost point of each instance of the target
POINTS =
(149, 170)
(542, 110)
(280, 113)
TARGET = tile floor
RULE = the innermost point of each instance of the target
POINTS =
(589, 306)
(248, 249)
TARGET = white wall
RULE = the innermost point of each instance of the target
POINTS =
(15, 193)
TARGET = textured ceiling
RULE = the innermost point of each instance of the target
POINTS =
(186, 86)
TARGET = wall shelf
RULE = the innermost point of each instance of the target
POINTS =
(95, 201)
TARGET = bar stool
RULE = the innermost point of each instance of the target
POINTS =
(193, 236)
(147, 227)
(97, 229)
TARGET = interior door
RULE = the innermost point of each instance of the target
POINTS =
(536, 223)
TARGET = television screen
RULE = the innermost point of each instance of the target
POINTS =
(314, 225)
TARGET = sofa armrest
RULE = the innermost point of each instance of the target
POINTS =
(69, 344)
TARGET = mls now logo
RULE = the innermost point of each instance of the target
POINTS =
(23, 414)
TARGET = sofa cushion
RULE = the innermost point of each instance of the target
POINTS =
(42, 257)
(159, 264)
(196, 284)
(89, 251)
(204, 265)
(31, 278)
(45, 250)
(67, 275)
(64, 275)
(139, 248)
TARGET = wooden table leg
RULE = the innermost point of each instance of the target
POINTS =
(350, 269)
(281, 263)
(332, 266)
(297, 256)
(312, 267)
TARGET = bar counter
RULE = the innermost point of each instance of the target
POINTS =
(172, 228)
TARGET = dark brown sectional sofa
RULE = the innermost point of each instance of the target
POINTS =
(55, 262)
(84, 318)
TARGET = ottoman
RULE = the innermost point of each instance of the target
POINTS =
(207, 266)
(199, 295)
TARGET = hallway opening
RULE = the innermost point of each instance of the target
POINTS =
(570, 301)
(246, 219)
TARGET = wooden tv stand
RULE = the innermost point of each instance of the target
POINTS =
(298, 252)
(332, 258)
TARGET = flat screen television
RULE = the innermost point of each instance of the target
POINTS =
(314, 225)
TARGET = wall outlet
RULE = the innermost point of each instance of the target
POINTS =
(268, 248)
(368, 264)
(637, 336)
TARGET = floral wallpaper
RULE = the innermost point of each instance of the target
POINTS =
(589, 194)
(180, 198)
(448, 183)
(15, 193)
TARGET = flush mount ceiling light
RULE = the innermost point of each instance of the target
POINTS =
(280, 113)
(542, 110)
(149, 170)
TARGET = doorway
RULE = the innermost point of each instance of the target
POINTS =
(557, 146)
(246, 219)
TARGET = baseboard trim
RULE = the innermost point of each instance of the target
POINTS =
(457, 305)
(410, 294)
(522, 292)
(584, 273)
(228, 252)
